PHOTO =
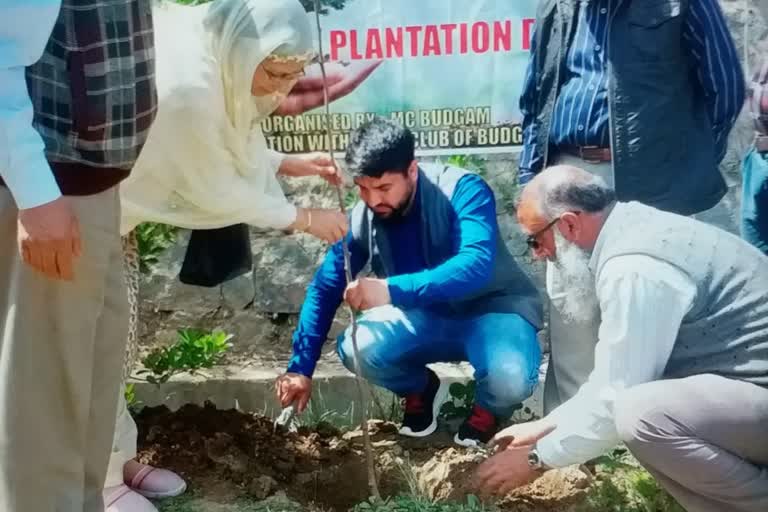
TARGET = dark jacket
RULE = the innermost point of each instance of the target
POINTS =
(661, 136)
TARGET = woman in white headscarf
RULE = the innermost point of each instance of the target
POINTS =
(221, 69)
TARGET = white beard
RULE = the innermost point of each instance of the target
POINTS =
(580, 304)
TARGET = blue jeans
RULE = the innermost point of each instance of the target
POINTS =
(395, 345)
(754, 200)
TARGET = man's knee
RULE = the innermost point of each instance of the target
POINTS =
(377, 333)
(371, 359)
(346, 351)
(636, 414)
(509, 382)
(650, 425)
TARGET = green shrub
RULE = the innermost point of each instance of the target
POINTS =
(193, 351)
(152, 240)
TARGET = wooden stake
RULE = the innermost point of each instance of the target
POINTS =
(372, 484)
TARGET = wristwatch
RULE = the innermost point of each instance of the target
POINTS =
(534, 460)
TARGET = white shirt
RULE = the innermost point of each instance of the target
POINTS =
(25, 27)
(643, 302)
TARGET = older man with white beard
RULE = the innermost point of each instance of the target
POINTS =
(681, 361)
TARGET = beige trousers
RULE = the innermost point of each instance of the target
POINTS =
(125, 439)
(61, 352)
(572, 344)
(124, 443)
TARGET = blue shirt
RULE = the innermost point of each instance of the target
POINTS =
(25, 27)
(580, 117)
(581, 112)
(405, 239)
(466, 272)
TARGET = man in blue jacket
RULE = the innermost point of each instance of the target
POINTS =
(445, 288)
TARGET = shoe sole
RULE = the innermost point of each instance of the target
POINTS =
(440, 396)
(162, 495)
(466, 443)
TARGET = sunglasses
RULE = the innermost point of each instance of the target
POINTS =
(533, 240)
(283, 77)
(301, 60)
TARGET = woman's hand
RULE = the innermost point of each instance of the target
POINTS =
(312, 165)
(308, 93)
(328, 225)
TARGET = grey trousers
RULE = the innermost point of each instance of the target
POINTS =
(572, 344)
(61, 353)
(704, 438)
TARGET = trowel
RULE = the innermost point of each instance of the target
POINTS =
(288, 419)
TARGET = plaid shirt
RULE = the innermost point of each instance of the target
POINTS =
(94, 93)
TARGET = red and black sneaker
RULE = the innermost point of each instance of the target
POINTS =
(421, 409)
(477, 429)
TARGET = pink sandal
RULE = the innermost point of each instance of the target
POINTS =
(122, 498)
(156, 483)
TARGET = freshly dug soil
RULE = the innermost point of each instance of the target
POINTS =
(230, 453)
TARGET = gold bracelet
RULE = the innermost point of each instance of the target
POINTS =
(309, 219)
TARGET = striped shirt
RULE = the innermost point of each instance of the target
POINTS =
(581, 113)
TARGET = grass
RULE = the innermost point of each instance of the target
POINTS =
(624, 486)
(184, 503)
(408, 503)
(318, 413)
(193, 502)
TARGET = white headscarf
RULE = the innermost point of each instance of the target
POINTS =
(206, 162)
(243, 33)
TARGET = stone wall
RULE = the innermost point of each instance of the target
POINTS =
(261, 308)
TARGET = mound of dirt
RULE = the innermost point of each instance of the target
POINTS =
(233, 455)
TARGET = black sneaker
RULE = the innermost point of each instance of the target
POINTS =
(421, 409)
(477, 429)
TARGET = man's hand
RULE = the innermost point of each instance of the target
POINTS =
(293, 387)
(509, 469)
(367, 293)
(307, 94)
(522, 434)
(49, 239)
(505, 472)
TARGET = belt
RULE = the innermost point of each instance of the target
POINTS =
(761, 143)
(590, 154)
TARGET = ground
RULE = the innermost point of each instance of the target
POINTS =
(237, 462)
